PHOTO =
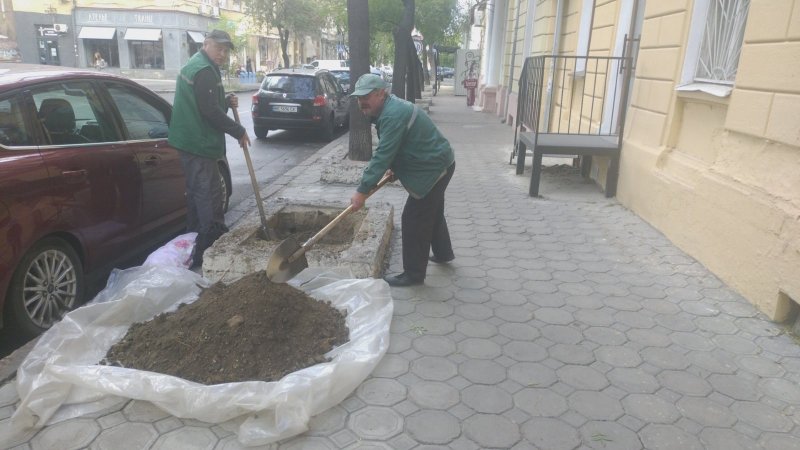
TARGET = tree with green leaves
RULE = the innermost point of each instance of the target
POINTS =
(297, 16)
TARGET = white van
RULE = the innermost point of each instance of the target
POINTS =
(330, 64)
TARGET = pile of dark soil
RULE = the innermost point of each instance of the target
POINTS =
(249, 330)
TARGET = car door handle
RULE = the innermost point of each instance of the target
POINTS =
(74, 176)
(151, 160)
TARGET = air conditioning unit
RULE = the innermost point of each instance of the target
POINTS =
(60, 27)
(215, 11)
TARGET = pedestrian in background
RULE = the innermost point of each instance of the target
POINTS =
(197, 129)
(413, 150)
(99, 62)
(249, 66)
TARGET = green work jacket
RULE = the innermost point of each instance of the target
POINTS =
(412, 147)
(188, 130)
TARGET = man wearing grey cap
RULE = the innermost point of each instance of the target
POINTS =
(413, 150)
(197, 129)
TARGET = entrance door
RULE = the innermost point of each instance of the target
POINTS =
(626, 43)
(48, 51)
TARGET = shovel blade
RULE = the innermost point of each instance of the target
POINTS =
(279, 269)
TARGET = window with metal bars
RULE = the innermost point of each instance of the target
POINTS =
(723, 33)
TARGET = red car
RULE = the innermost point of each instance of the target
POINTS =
(87, 180)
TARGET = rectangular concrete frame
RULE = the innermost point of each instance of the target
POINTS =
(237, 253)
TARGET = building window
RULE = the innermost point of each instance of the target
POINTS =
(722, 41)
(147, 54)
(100, 41)
(146, 48)
(715, 43)
(108, 50)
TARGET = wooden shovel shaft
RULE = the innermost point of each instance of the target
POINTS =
(321, 233)
(253, 181)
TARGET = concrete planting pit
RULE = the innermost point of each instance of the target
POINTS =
(359, 243)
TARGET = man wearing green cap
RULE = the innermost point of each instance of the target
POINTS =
(197, 129)
(413, 150)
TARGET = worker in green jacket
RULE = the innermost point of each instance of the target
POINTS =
(197, 129)
(413, 150)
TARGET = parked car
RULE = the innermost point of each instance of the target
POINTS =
(87, 181)
(300, 99)
(445, 72)
(343, 76)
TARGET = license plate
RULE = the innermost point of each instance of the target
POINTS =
(284, 109)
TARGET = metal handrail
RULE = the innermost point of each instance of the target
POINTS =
(569, 100)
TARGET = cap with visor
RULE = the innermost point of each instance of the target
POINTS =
(221, 37)
(368, 83)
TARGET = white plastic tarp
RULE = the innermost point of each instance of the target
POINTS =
(60, 378)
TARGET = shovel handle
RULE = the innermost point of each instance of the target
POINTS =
(253, 182)
(321, 233)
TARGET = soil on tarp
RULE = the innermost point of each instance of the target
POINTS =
(249, 330)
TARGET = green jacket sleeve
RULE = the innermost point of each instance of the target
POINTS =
(392, 131)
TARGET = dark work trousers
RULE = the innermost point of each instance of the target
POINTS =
(204, 201)
(425, 229)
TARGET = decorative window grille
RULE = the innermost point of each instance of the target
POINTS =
(722, 41)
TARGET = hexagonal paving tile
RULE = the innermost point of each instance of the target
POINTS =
(571, 354)
(434, 368)
(540, 402)
(491, 431)
(187, 437)
(381, 391)
(582, 377)
(524, 351)
(668, 437)
(142, 411)
(487, 399)
(595, 405)
(650, 408)
(132, 434)
(375, 422)
(706, 412)
(482, 371)
(433, 427)
(434, 345)
(74, 433)
(633, 380)
(551, 434)
(327, 421)
(434, 395)
(609, 435)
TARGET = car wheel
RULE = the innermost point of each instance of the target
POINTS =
(261, 133)
(329, 129)
(226, 190)
(48, 283)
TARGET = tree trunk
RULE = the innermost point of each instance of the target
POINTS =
(360, 146)
(284, 38)
(403, 47)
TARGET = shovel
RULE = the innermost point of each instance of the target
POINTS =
(264, 228)
(289, 258)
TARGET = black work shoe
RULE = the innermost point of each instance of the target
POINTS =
(440, 261)
(403, 279)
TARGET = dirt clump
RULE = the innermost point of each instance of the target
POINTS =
(249, 330)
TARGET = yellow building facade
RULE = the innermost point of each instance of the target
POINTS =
(711, 148)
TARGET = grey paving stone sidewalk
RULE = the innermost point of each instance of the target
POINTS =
(564, 322)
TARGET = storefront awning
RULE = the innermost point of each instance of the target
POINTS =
(143, 34)
(97, 33)
(196, 36)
